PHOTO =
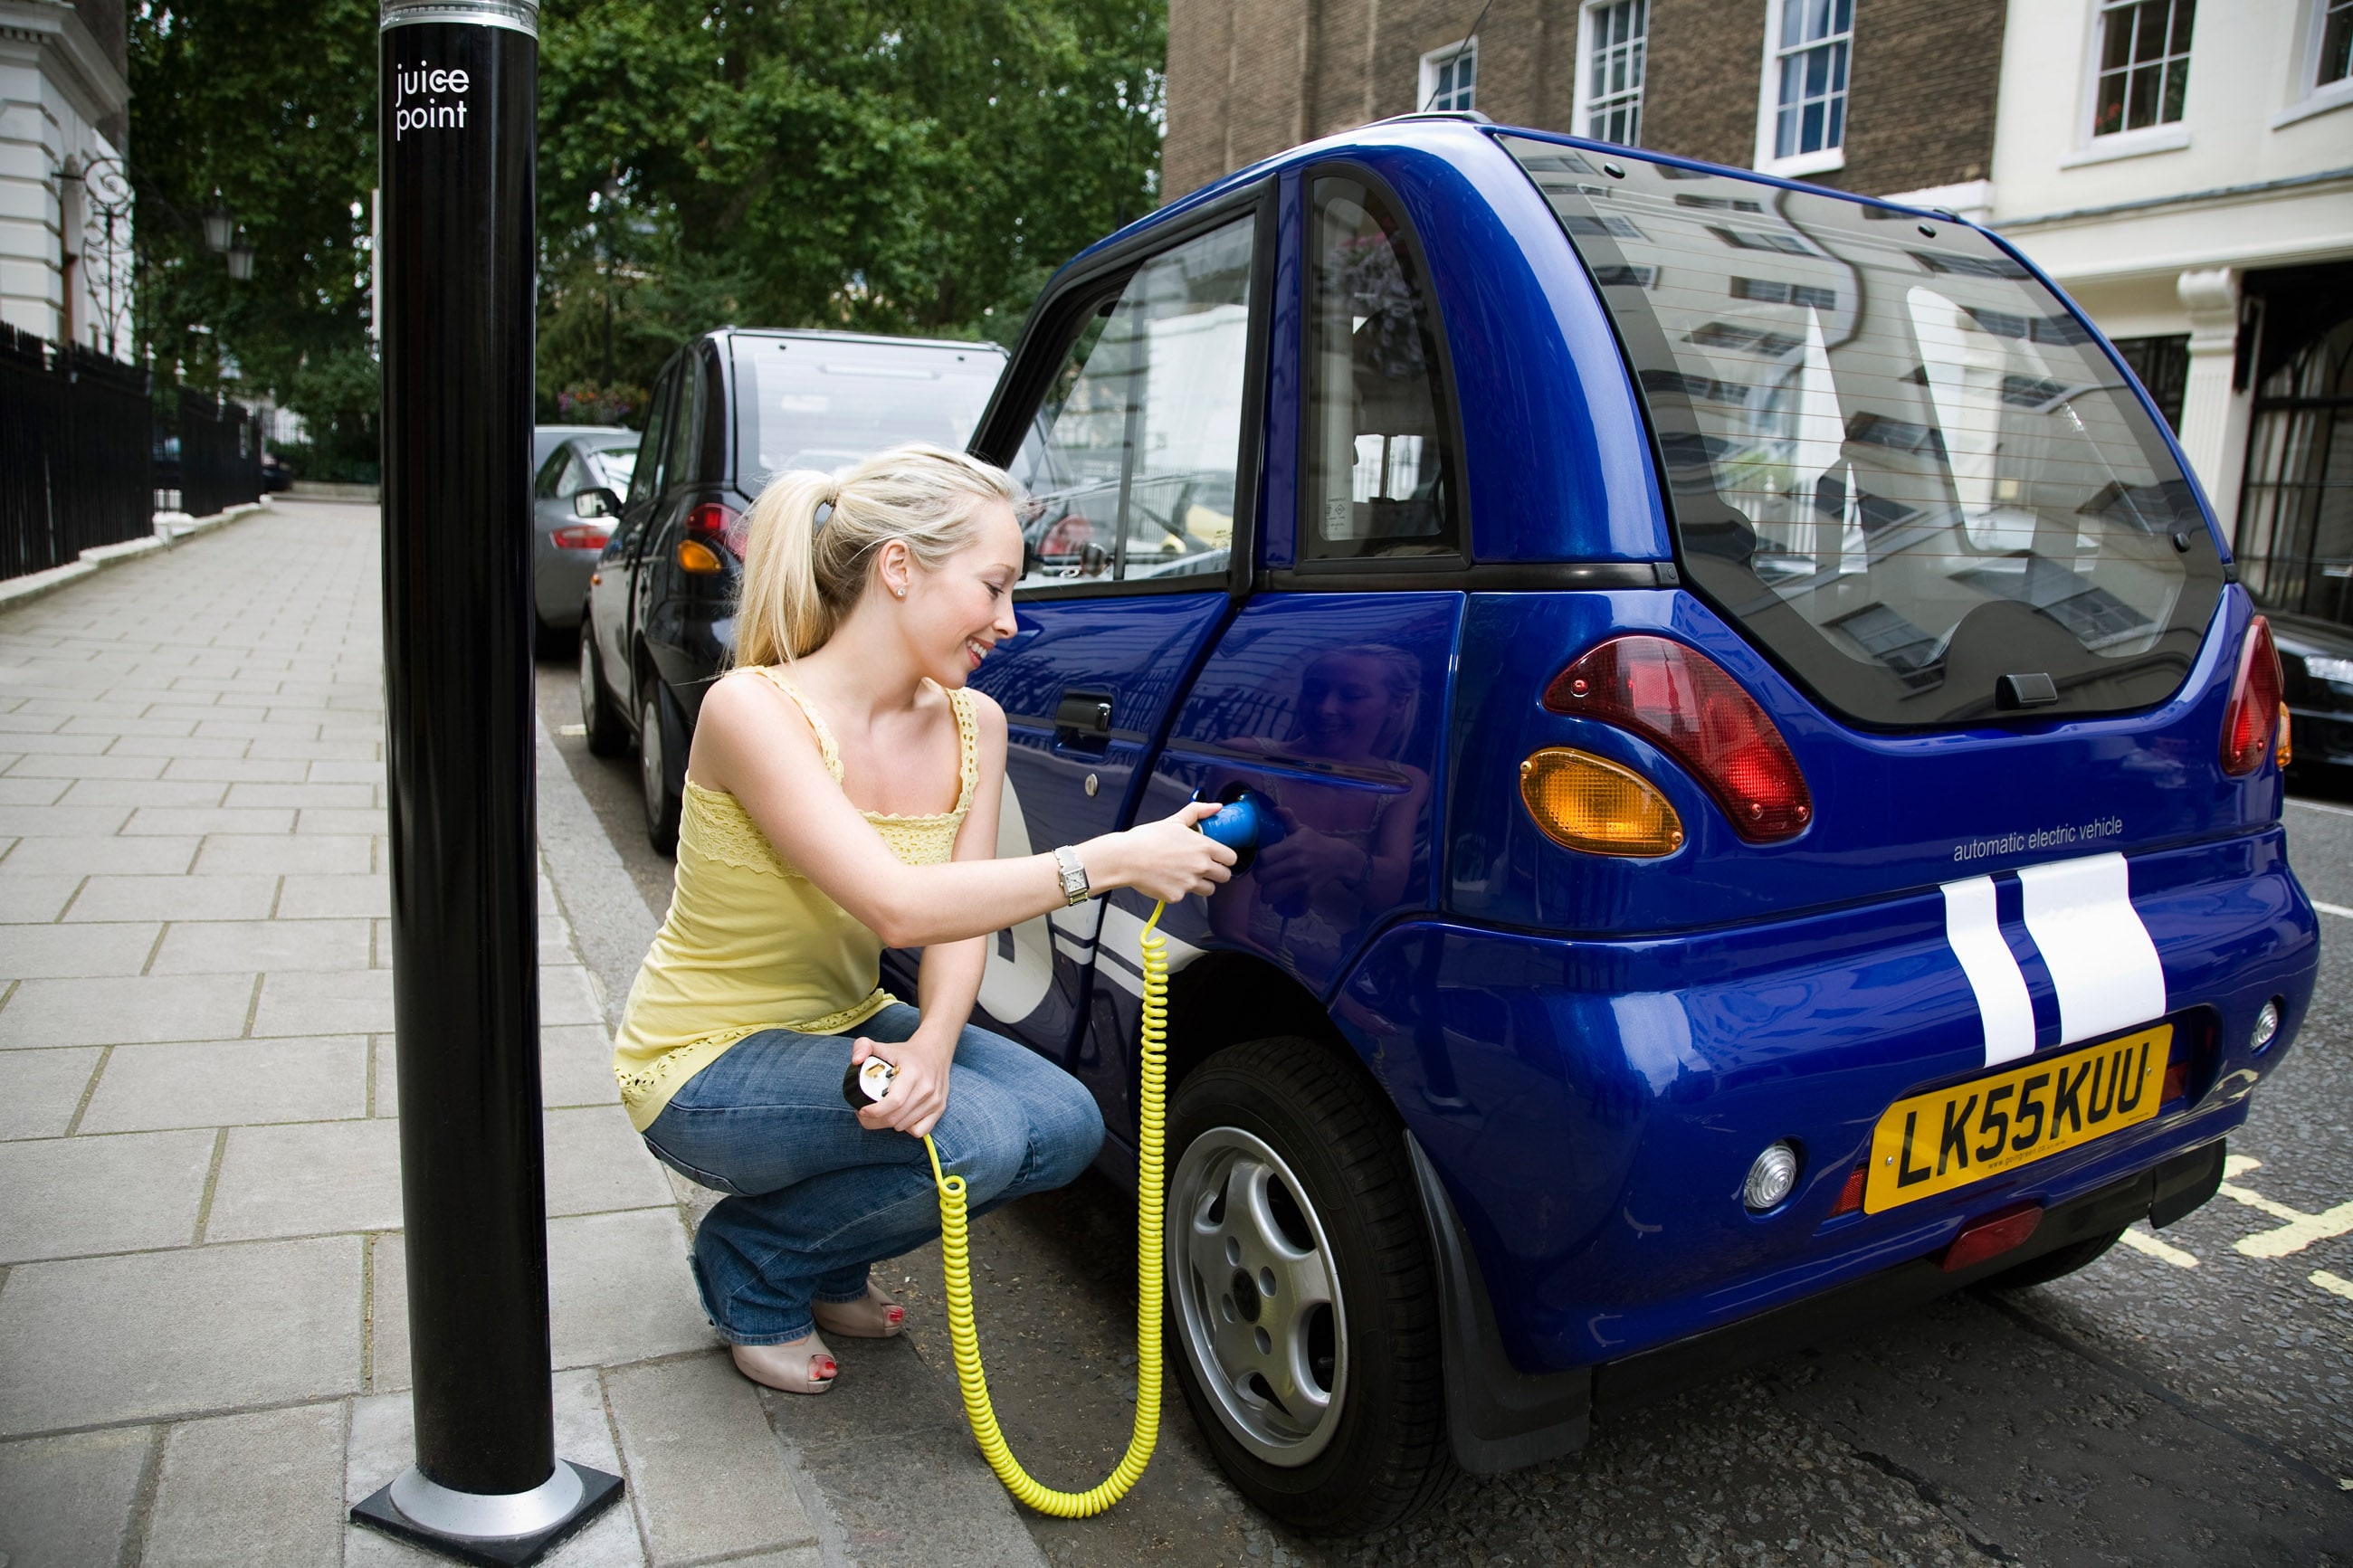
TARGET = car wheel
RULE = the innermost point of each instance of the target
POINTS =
(1301, 1294)
(656, 740)
(2056, 1264)
(607, 736)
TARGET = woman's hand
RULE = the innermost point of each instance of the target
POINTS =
(1164, 860)
(918, 1095)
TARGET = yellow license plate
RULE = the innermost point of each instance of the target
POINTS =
(1933, 1142)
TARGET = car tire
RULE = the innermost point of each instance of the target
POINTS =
(548, 642)
(2056, 1264)
(607, 736)
(658, 766)
(1316, 1159)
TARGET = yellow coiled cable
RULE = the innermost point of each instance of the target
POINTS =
(1151, 1176)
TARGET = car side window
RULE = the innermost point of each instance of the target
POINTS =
(1381, 478)
(1134, 453)
(685, 428)
(644, 479)
(546, 485)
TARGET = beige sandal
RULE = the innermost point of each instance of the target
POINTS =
(801, 1366)
(875, 1318)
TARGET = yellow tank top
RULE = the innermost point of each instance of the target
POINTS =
(749, 943)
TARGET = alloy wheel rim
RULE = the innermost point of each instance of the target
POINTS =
(587, 677)
(650, 760)
(1258, 1296)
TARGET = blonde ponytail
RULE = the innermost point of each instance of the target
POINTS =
(810, 539)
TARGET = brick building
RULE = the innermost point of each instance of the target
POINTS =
(2187, 178)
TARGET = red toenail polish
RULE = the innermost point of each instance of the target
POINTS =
(897, 1313)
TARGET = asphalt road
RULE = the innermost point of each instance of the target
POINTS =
(2179, 1401)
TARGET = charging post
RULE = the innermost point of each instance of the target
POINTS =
(456, 138)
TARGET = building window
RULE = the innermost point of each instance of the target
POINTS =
(2144, 64)
(2335, 43)
(1806, 77)
(1614, 40)
(1450, 77)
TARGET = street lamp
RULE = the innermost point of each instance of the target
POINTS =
(221, 223)
(240, 255)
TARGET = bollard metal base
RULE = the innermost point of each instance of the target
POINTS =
(523, 1527)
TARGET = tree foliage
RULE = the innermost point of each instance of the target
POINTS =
(900, 166)
(888, 167)
(270, 103)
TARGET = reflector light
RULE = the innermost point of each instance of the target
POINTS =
(2285, 742)
(2255, 703)
(697, 557)
(1993, 1236)
(580, 536)
(1683, 702)
(1851, 1196)
(1591, 804)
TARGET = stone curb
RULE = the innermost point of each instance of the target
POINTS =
(97, 557)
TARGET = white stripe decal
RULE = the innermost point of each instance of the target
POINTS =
(2103, 964)
(1974, 932)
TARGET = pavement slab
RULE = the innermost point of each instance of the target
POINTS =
(711, 1480)
(70, 1197)
(190, 1331)
(118, 1011)
(356, 1001)
(220, 1083)
(307, 1178)
(218, 947)
(66, 1502)
(40, 1090)
(65, 953)
(172, 898)
(259, 1490)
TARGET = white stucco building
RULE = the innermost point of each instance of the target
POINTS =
(65, 234)
(2185, 171)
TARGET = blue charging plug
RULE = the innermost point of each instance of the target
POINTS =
(1244, 825)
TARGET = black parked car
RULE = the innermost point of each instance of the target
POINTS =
(730, 409)
(2316, 678)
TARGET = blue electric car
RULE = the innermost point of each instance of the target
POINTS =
(1772, 788)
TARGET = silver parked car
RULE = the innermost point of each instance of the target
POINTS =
(564, 546)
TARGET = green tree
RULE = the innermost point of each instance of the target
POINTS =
(898, 168)
(270, 104)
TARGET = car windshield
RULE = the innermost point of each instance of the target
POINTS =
(1894, 459)
(822, 402)
(616, 463)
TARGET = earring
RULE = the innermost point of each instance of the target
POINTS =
(901, 592)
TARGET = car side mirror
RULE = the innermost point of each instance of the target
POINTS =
(596, 501)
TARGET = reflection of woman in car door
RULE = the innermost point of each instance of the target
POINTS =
(1347, 847)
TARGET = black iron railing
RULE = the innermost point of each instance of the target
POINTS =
(75, 433)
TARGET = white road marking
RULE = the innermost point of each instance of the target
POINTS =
(2301, 1230)
(2332, 909)
(2316, 806)
(2332, 1284)
(572, 729)
(1973, 933)
(2237, 1165)
(2163, 1251)
(2101, 962)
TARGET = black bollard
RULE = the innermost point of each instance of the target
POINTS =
(456, 135)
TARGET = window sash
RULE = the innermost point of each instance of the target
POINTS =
(1454, 77)
(1617, 41)
(2144, 65)
(1810, 74)
(2334, 59)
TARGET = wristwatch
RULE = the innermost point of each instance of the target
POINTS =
(1074, 876)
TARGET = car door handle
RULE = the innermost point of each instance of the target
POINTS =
(1082, 718)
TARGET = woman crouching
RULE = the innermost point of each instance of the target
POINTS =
(841, 797)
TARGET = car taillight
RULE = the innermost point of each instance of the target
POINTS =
(714, 524)
(1683, 702)
(2253, 715)
(581, 536)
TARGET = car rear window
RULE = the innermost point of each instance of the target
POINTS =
(1895, 459)
(820, 403)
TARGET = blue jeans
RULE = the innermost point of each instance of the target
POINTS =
(815, 1197)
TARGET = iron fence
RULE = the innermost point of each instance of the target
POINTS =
(75, 433)
(219, 453)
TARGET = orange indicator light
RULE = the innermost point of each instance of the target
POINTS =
(1590, 803)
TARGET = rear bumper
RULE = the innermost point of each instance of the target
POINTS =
(1499, 1418)
(1592, 1107)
